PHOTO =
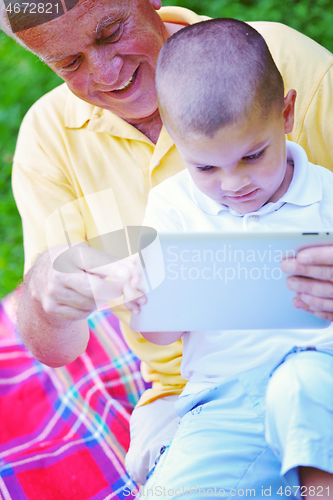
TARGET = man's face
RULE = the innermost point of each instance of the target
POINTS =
(243, 166)
(106, 51)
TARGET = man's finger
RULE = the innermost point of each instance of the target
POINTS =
(321, 256)
(317, 304)
(104, 290)
(324, 315)
(80, 258)
(63, 311)
(316, 262)
(310, 286)
(319, 272)
(116, 270)
(299, 304)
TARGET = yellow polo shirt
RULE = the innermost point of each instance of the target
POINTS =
(69, 150)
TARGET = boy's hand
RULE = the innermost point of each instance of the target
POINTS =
(134, 296)
(312, 280)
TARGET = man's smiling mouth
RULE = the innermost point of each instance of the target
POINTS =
(128, 83)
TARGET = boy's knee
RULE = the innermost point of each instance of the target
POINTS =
(299, 389)
(307, 376)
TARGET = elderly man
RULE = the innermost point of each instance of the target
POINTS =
(101, 133)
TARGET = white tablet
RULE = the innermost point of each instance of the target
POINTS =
(210, 281)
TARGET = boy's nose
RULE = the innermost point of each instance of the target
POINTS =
(234, 183)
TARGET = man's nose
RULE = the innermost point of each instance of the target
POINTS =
(105, 70)
(233, 182)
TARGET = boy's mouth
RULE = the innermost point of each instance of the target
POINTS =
(244, 197)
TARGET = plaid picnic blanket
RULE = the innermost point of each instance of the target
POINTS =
(64, 431)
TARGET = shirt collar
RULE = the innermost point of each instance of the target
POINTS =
(304, 188)
(78, 113)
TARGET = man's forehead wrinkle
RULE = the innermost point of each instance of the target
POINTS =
(115, 12)
(56, 36)
(106, 21)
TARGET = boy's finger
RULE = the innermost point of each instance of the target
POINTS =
(131, 293)
(135, 280)
(133, 306)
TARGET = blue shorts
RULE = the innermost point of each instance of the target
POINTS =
(228, 445)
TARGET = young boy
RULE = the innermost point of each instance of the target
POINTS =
(256, 414)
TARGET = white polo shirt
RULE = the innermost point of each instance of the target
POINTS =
(178, 205)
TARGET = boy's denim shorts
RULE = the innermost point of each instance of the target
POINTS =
(228, 444)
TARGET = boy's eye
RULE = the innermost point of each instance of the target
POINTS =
(256, 156)
(208, 168)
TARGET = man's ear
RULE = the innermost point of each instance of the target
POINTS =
(289, 111)
(157, 4)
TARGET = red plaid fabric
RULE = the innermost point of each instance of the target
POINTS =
(64, 431)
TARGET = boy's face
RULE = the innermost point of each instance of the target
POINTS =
(243, 166)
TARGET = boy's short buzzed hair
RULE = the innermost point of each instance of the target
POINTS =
(213, 74)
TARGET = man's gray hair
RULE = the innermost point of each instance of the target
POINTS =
(6, 27)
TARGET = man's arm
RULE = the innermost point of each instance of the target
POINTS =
(52, 341)
(162, 338)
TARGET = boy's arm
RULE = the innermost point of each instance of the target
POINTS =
(162, 338)
(162, 216)
(134, 298)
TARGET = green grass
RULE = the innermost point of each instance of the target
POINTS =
(23, 79)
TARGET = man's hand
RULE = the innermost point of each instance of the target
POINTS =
(75, 295)
(312, 280)
(53, 306)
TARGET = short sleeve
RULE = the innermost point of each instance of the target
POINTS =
(42, 186)
(306, 67)
(161, 214)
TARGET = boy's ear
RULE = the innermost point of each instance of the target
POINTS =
(289, 111)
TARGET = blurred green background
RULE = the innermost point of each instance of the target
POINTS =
(23, 79)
